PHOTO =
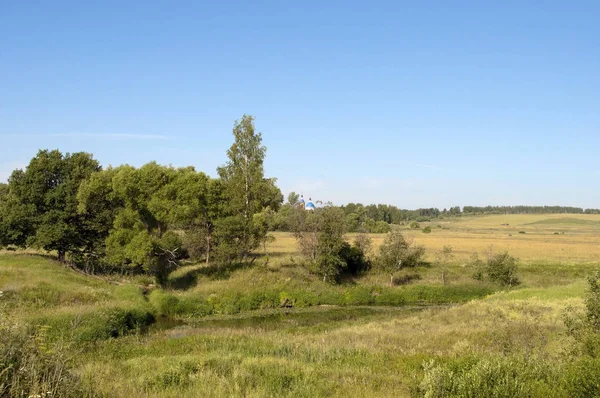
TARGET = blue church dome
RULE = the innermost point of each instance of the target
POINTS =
(310, 205)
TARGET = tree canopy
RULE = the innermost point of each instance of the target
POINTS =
(40, 207)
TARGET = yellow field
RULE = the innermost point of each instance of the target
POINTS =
(560, 238)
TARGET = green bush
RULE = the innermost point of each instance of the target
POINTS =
(121, 321)
(582, 378)
(194, 306)
(355, 259)
(359, 295)
(380, 227)
(426, 230)
(592, 301)
(331, 297)
(489, 377)
(502, 268)
(305, 298)
(164, 304)
(228, 304)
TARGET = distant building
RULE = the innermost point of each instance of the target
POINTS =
(310, 206)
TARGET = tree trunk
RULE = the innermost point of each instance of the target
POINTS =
(61, 256)
(391, 280)
(207, 249)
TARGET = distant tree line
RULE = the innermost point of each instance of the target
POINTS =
(528, 210)
(379, 218)
(362, 218)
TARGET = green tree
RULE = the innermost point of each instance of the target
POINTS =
(40, 209)
(247, 191)
(147, 206)
(330, 242)
(502, 268)
(320, 237)
(99, 204)
(442, 260)
(293, 198)
(306, 226)
(365, 244)
(263, 223)
(397, 252)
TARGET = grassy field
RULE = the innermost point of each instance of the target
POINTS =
(566, 239)
(223, 332)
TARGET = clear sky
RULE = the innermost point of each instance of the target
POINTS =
(417, 104)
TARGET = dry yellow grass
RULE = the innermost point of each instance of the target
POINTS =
(577, 239)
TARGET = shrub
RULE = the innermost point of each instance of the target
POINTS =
(354, 257)
(581, 378)
(330, 266)
(488, 377)
(227, 304)
(164, 304)
(426, 230)
(415, 225)
(397, 252)
(380, 227)
(305, 298)
(359, 295)
(193, 306)
(120, 321)
(478, 267)
(502, 268)
(592, 301)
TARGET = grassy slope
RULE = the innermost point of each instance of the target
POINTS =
(316, 351)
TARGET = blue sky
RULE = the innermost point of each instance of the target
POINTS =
(417, 104)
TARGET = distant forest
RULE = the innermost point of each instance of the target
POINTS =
(378, 218)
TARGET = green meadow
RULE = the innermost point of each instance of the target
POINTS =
(273, 329)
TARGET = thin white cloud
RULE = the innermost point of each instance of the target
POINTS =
(115, 136)
(105, 136)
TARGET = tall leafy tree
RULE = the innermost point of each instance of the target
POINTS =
(148, 205)
(247, 193)
(40, 209)
(330, 242)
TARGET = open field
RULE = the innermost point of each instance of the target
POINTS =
(555, 238)
(221, 332)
